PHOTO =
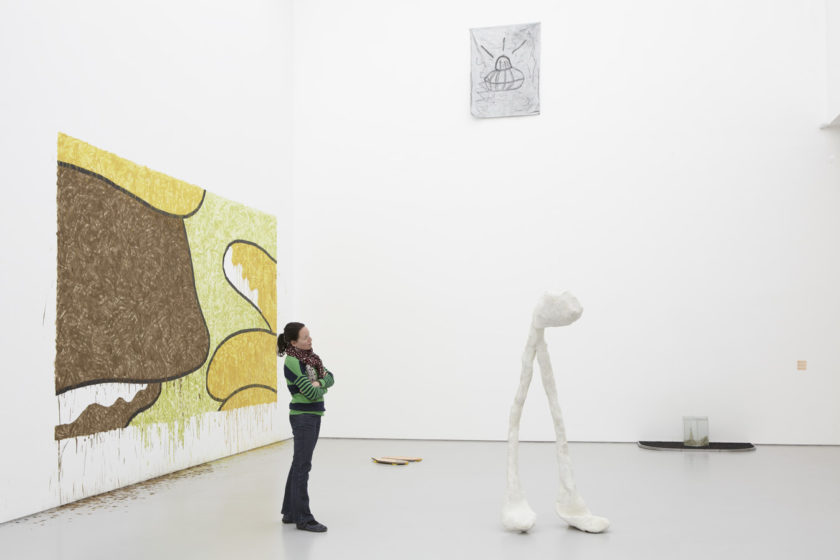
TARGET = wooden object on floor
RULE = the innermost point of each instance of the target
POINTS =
(388, 461)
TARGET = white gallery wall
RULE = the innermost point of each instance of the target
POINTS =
(833, 62)
(677, 181)
(199, 91)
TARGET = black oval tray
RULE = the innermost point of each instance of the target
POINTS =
(680, 446)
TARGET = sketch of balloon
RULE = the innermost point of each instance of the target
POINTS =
(505, 77)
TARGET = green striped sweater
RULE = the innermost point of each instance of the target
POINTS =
(306, 398)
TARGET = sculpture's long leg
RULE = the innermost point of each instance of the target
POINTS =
(569, 506)
(516, 513)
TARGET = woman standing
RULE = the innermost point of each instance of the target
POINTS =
(307, 380)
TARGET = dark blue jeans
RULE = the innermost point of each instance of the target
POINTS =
(305, 428)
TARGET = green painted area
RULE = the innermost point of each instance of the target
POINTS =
(209, 231)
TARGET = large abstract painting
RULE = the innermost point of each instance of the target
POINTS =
(505, 70)
(166, 297)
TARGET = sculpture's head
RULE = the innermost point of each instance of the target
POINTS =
(556, 310)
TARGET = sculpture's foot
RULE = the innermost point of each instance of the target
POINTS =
(517, 515)
(588, 522)
(572, 509)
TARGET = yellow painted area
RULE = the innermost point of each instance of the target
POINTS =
(249, 397)
(210, 231)
(261, 273)
(158, 190)
(248, 358)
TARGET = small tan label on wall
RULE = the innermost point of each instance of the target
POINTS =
(801, 365)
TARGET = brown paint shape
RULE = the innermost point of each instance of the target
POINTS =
(127, 308)
(97, 418)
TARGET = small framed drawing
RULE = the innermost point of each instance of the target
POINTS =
(505, 71)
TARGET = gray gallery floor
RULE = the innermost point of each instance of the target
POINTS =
(776, 502)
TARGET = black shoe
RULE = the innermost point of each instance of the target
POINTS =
(287, 521)
(313, 526)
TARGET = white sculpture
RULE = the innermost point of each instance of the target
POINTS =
(553, 310)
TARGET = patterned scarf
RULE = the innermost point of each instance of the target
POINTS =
(309, 358)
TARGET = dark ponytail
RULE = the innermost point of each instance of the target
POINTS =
(290, 334)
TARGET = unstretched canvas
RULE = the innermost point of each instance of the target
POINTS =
(505, 73)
